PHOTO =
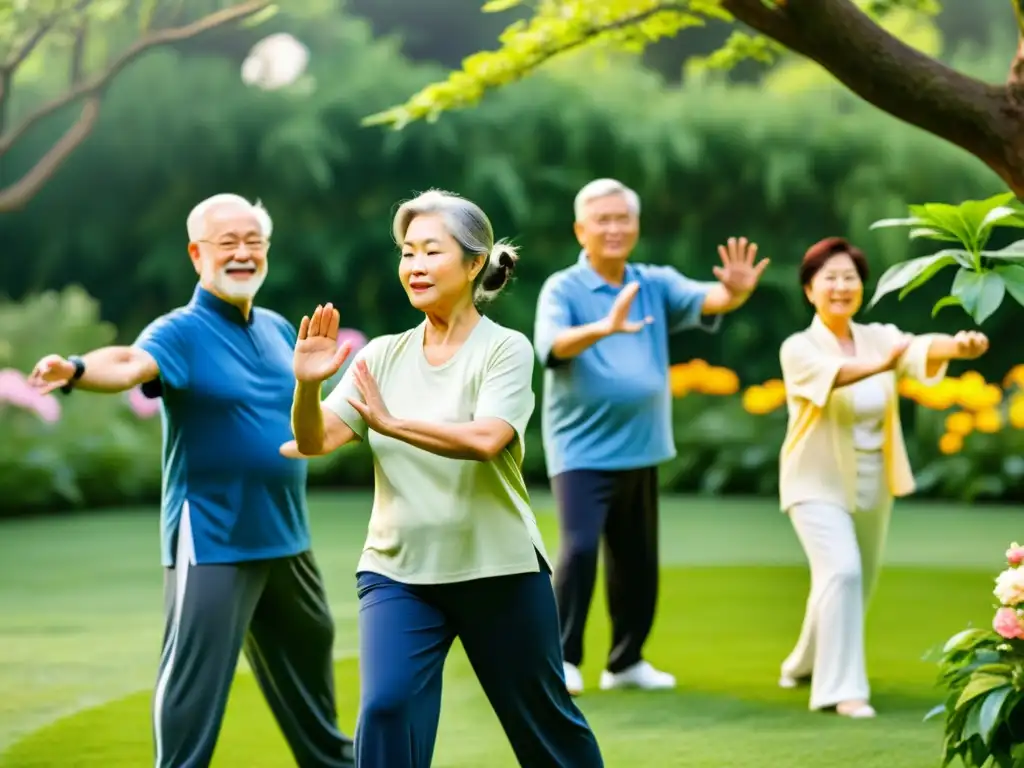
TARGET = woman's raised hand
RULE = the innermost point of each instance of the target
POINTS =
(317, 354)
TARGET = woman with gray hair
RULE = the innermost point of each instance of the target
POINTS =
(453, 548)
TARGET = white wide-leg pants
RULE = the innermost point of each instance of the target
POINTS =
(845, 551)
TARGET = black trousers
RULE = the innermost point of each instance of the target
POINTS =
(275, 609)
(620, 507)
(508, 628)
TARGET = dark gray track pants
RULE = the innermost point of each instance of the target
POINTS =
(275, 609)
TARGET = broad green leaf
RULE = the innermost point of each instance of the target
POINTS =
(981, 215)
(979, 685)
(965, 639)
(946, 301)
(932, 234)
(990, 708)
(981, 293)
(948, 258)
(911, 222)
(972, 723)
(900, 275)
(1012, 252)
(1013, 277)
(947, 218)
(996, 215)
(1001, 668)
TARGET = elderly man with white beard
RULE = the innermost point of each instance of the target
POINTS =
(238, 570)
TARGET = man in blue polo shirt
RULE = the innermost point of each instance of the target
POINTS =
(235, 536)
(602, 331)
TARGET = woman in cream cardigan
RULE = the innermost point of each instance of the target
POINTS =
(844, 460)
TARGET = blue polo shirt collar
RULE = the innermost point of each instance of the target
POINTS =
(595, 282)
(203, 298)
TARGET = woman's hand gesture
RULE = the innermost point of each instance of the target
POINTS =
(970, 345)
(897, 351)
(317, 354)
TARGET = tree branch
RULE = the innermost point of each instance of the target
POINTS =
(76, 71)
(157, 39)
(898, 79)
(30, 43)
(19, 193)
(771, 22)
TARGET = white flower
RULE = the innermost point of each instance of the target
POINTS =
(1010, 587)
(275, 62)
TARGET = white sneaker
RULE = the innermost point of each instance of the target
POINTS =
(640, 675)
(787, 680)
(858, 710)
(573, 678)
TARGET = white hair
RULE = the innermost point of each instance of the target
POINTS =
(196, 222)
(471, 229)
(604, 188)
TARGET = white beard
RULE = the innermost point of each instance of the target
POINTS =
(231, 288)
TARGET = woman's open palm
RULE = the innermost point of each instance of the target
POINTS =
(317, 354)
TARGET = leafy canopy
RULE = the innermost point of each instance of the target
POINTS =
(560, 26)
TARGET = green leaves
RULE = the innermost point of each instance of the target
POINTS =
(908, 275)
(979, 293)
(979, 671)
(558, 27)
(979, 286)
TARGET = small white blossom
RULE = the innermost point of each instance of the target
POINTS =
(275, 62)
(1010, 587)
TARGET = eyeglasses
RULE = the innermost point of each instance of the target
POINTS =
(256, 245)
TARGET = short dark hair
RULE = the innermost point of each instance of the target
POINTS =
(818, 254)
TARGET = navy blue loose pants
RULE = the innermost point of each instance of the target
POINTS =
(508, 626)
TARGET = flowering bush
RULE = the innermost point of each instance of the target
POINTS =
(60, 451)
(982, 671)
(965, 434)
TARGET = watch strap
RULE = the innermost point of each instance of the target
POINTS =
(79, 364)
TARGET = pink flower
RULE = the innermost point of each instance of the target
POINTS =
(144, 407)
(48, 409)
(15, 389)
(1015, 554)
(1009, 623)
(353, 337)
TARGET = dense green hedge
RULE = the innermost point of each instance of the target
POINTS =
(707, 163)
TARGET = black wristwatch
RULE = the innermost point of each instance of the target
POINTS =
(79, 364)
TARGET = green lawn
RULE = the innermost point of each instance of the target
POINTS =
(81, 620)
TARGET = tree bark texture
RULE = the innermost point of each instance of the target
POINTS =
(984, 119)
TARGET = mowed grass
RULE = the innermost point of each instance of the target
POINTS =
(81, 619)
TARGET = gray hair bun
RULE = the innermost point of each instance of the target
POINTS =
(501, 264)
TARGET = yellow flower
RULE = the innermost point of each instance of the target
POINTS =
(719, 381)
(939, 396)
(760, 399)
(1017, 412)
(988, 420)
(975, 394)
(679, 380)
(960, 423)
(972, 378)
(1015, 376)
(910, 388)
(950, 443)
